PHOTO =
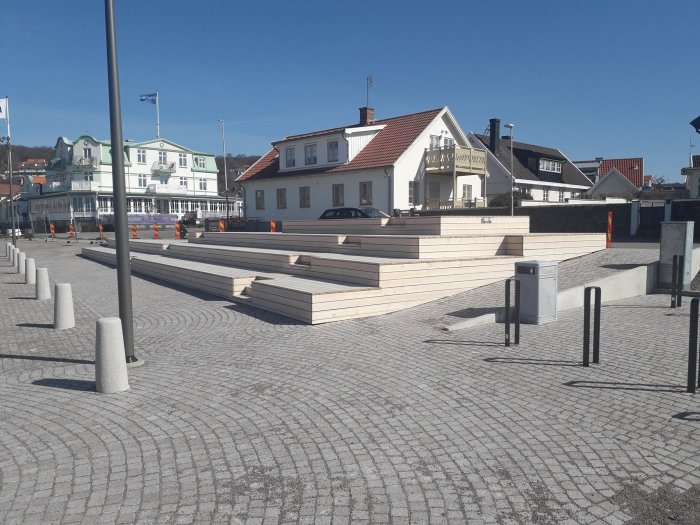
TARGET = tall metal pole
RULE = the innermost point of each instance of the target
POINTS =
(223, 141)
(157, 115)
(120, 219)
(9, 168)
(512, 175)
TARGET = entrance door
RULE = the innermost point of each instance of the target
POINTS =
(163, 206)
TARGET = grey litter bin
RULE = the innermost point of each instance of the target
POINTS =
(538, 291)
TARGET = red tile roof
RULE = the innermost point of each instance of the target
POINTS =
(382, 151)
(631, 168)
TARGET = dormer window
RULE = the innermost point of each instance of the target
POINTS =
(310, 157)
(553, 166)
(332, 149)
(290, 155)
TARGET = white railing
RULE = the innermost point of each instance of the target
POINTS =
(84, 185)
(437, 204)
(166, 189)
(85, 161)
(451, 158)
(168, 167)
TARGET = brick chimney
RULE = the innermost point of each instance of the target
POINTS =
(494, 134)
(366, 116)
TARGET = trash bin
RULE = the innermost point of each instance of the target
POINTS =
(538, 290)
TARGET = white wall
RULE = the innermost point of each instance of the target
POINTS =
(321, 152)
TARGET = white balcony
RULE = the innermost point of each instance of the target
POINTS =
(166, 189)
(84, 185)
(84, 162)
(168, 167)
(452, 159)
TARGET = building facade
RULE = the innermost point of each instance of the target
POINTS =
(164, 183)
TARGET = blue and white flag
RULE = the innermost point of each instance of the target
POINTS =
(151, 97)
(3, 108)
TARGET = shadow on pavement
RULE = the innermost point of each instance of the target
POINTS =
(462, 343)
(48, 359)
(687, 416)
(611, 385)
(67, 384)
(530, 361)
(35, 325)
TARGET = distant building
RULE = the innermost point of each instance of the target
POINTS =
(692, 177)
(614, 184)
(162, 178)
(544, 173)
(632, 168)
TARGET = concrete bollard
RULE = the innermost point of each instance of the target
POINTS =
(17, 254)
(111, 375)
(30, 271)
(43, 290)
(7, 249)
(13, 250)
(63, 317)
(21, 263)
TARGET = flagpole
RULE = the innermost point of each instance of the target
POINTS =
(9, 167)
(157, 115)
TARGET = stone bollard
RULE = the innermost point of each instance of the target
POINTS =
(7, 249)
(111, 375)
(17, 254)
(13, 251)
(30, 271)
(21, 263)
(63, 317)
(43, 290)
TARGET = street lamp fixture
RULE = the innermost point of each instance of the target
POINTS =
(512, 175)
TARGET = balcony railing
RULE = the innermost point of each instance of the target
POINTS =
(166, 189)
(84, 162)
(456, 158)
(168, 167)
(437, 204)
(84, 185)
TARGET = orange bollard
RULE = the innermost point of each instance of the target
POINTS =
(102, 231)
(273, 225)
(177, 231)
(222, 226)
(71, 231)
(53, 230)
(133, 231)
(156, 233)
(608, 239)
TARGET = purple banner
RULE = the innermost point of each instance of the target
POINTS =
(141, 219)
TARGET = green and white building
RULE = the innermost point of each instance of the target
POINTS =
(164, 182)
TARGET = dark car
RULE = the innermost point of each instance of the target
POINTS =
(352, 213)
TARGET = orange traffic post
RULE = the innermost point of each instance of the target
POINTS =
(102, 231)
(71, 231)
(608, 239)
(177, 231)
(222, 226)
(273, 225)
(133, 231)
(53, 230)
(156, 233)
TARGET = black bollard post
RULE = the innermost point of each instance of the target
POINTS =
(674, 280)
(517, 312)
(596, 326)
(586, 325)
(507, 313)
(693, 345)
(679, 280)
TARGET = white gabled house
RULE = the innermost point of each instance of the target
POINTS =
(422, 160)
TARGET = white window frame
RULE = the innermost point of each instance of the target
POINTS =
(200, 162)
(202, 184)
(290, 155)
(545, 195)
(87, 153)
(259, 199)
(338, 195)
(143, 180)
(310, 154)
(561, 195)
(413, 189)
(141, 156)
(305, 196)
(182, 160)
(183, 181)
(88, 176)
(281, 198)
(366, 193)
(332, 148)
(162, 157)
(552, 166)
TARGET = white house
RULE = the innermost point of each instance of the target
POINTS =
(421, 160)
(613, 184)
(544, 173)
(161, 178)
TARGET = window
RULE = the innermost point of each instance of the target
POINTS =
(434, 141)
(332, 149)
(143, 180)
(561, 196)
(291, 156)
(365, 193)
(203, 184)
(448, 142)
(141, 156)
(338, 195)
(545, 195)
(163, 179)
(87, 176)
(162, 157)
(183, 182)
(550, 165)
(259, 199)
(87, 153)
(466, 192)
(281, 198)
(183, 160)
(305, 197)
(310, 154)
(413, 192)
(200, 162)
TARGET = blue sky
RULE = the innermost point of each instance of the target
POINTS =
(593, 78)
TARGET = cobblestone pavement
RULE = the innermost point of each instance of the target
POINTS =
(239, 416)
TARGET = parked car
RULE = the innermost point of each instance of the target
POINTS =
(352, 213)
(18, 232)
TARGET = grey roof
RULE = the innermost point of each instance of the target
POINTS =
(526, 162)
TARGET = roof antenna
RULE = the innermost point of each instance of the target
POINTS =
(370, 83)
(690, 147)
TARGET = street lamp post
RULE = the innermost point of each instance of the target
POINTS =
(223, 141)
(512, 175)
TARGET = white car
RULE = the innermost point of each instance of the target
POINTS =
(18, 232)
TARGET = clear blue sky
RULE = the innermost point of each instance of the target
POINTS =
(591, 77)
